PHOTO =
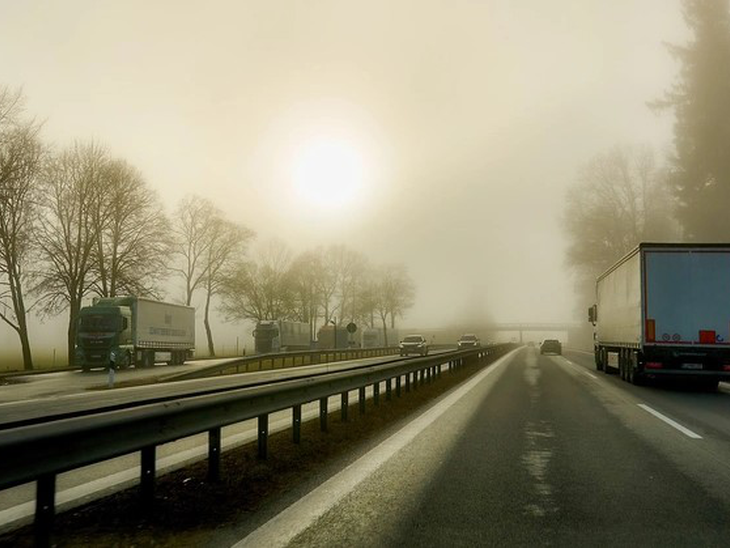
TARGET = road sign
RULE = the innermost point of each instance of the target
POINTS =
(351, 328)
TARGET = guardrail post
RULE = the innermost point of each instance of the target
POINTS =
(344, 405)
(147, 478)
(388, 389)
(214, 454)
(438, 370)
(296, 423)
(45, 509)
(397, 386)
(323, 414)
(361, 399)
(408, 381)
(263, 430)
(376, 393)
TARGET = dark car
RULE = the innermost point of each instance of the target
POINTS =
(414, 344)
(468, 340)
(551, 346)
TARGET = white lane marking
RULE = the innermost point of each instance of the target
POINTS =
(686, 431)
(285, 526)
(579, 368)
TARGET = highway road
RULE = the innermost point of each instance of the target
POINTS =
(533, 451)
(46, 385)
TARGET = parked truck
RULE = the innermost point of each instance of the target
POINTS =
(664, 310)
(281, 336)
(124, 331)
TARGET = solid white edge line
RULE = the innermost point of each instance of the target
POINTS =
(686, 431)
(299, 516)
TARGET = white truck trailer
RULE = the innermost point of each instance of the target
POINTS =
(124, 331)
(664, 311)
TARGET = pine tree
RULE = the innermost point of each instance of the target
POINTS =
(700, 99)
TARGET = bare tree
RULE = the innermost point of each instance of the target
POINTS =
(395, 295)
(66, 233)
(620, 199)
(303, 279)
(132, 234)
(260, 289)
(192, 225)
(21, 156)
(226, 244)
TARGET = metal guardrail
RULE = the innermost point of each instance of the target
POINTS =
(261, 362)
(39, 452)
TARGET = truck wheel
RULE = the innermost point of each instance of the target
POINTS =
(597, 358)
(606, 367)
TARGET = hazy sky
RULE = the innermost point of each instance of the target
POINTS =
(467, 118)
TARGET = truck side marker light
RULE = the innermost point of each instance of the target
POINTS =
(650, 331)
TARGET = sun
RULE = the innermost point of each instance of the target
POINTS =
(328, 173)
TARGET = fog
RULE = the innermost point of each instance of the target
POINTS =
(469, 120)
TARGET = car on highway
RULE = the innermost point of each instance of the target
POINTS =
(551, 346)
(468, 340)
(413, 344)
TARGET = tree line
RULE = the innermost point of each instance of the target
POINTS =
(627, 195)
(78, 222)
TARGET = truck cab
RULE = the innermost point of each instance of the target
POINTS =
(104, 337)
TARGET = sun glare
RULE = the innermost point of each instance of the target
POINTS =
(328, 174)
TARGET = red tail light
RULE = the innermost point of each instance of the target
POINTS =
(707, 336)
(726, 367)
(653, 365)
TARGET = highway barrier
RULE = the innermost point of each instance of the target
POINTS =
(42, 449)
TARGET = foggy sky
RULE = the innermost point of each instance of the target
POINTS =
(472, 118)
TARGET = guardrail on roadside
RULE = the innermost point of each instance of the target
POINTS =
(261, 362)
(39, 452)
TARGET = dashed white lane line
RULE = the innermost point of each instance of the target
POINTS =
(591, 375)
(284, 527)
(674, 424)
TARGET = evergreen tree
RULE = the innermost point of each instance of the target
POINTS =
(700, 100)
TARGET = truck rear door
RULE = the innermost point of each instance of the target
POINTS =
(687, 296)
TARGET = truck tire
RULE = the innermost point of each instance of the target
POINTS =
(606, 367)
(148, 358)
(597, 358)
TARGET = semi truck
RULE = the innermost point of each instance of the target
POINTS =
(374, 337)
(122, 331)
(663, 310)
(281, 336)
(329, 337)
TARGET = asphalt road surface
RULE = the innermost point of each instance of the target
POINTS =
(533, 451)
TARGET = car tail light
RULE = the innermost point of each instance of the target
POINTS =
(726, 367)
(653, 365)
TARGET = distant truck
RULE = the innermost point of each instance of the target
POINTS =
(329, 337)
(664, 310)
(375, 337)
(124, 331)
(281, 336)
